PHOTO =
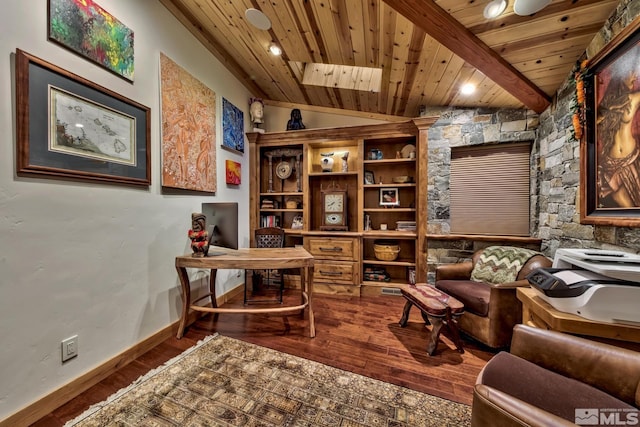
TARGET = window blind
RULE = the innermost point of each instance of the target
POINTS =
(489, 189)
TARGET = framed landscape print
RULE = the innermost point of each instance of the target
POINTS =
(610, 147)
(69, 127)
(90, 31)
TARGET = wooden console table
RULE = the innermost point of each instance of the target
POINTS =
(537, 312)
(249, 258)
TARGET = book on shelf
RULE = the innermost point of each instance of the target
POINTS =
(269, 221)
(406, 225)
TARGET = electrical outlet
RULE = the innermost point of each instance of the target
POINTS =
(69, 348)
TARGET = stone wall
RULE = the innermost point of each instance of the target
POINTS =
(555, 167)
(559, 172)
(466, 127)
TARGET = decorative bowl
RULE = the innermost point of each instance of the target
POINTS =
(402, 179)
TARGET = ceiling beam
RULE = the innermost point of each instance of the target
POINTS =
(436, 22)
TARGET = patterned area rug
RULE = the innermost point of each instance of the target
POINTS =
(226, 382)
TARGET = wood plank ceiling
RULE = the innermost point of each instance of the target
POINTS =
(426, 49)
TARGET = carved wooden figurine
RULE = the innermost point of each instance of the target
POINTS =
(199, 235)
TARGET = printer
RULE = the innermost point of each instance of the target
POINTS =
(599, 285)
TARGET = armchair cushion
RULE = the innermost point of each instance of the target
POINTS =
(544, 389)
(500, 264)
(474, 295)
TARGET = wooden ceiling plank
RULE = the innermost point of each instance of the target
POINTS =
(287, 30)
(343, 31)
(446, 30)
(306, 28)
(327, 32)
(442, 57)
(373, 33)
(388, 29)
(357, 33)
(259, 62)
(529, 31)
(401, 42)
(412, 63)
(188, 20)
(570, 47)
(448, 83)
(423, 77)
(509, 18)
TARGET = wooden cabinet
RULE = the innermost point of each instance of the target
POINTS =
(337, 266)
(382, 169)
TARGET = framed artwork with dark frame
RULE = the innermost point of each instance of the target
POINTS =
(69, 127)
(389, 197)
(369, 177)
(610, 146)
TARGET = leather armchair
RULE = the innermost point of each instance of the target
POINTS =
(550, 378)
(491, 310)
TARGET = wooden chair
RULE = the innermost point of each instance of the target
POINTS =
(266, 237)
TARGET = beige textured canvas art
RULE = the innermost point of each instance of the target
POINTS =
(188, 130)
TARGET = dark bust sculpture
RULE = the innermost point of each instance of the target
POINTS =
(295, 123)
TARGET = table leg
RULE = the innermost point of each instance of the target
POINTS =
(452, 323)
(186, 299)
(405, 314)
(437, 323)
(309, 286)
(212, 291)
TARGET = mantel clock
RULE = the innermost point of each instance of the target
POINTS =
(334, 209)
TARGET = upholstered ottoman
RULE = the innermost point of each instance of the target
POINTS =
(437, 308)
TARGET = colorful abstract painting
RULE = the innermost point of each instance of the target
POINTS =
(232, 126)
(188, 130)
(89, 30)
(233, 172)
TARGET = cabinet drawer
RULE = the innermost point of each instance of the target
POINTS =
(333, 248)
(334, 272)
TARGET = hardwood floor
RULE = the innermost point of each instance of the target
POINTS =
(360, 335)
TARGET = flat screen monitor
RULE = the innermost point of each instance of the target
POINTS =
(222, 224)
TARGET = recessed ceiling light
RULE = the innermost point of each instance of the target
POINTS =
(275, 49)
(494, 8)
(468, 88)
(257, 18)
(529, 7)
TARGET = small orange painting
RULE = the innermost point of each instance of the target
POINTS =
(233, 172)
(188, 130)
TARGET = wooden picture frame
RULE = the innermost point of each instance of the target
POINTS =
(389, 196)
(609, 161)
(71, 128)
(369, 178)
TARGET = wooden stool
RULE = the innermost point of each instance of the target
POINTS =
(437, 308)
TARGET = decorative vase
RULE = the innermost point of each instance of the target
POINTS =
(326, 162)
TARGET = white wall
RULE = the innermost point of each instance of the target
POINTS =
(96, 260)
(276, 119)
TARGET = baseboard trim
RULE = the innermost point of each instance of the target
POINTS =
(47, 404)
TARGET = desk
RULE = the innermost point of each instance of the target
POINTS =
(250, 258)
(537, 312)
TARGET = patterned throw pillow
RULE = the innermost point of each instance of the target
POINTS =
(500, 264)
